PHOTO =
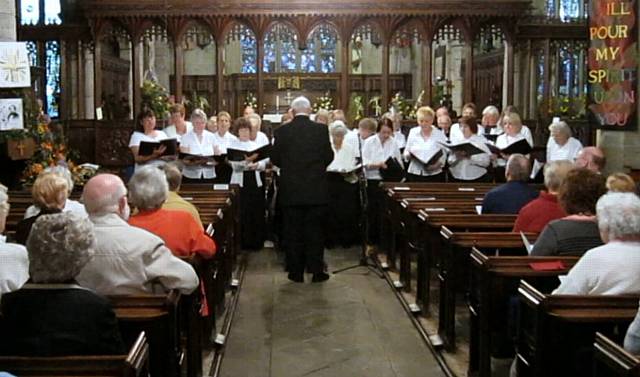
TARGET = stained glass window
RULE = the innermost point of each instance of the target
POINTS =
(29, 12)
(565, 10)
(53, 77)
(249, 50)
(52, 12)
(320, 55)
(280, 50)
(32, 50)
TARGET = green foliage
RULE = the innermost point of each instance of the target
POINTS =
(156, 98)
(194, 101)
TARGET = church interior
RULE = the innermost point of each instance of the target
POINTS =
(159, 182)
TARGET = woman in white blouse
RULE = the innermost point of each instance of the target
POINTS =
(178, 126)
(513, 132)
(14, 261)
(376, 150)
(463, 167)
(424, 142)
(246, 174)
(344, 208)
(561, 146)
(198, 142)
(223, 140)
(146, 131)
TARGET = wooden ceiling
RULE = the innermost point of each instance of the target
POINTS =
(488, 8)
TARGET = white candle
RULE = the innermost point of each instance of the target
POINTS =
(277, 102)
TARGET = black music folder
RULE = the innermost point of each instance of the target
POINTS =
(467, 147)
(427, 160)
(196, 158)
(146, 148)
(240, 155)
(521, 146)
(394, 171)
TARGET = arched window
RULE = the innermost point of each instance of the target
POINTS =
(44, 54)
(35, 12)
(320, 55)
(280, 50)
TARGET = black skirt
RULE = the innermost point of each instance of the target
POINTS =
(252, 212)
(343, 220)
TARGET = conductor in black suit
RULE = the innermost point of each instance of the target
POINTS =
(302, 151)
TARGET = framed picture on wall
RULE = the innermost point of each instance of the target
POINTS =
(14, 65)
(11, 114)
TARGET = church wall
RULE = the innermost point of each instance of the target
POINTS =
(199, 61)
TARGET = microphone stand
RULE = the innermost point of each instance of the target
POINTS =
(365, 259)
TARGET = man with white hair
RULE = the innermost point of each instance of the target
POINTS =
(591, 158)
(510, 197)
(14, 260)
(302, 151)
(610, 269)
(490, 118)
(127, 260)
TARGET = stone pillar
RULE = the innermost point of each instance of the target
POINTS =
(8, 20)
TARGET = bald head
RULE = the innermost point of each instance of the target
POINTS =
(517, 168)
(591, 158)
(103, 194)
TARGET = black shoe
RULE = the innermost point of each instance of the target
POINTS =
(320, 277)
(296, 277)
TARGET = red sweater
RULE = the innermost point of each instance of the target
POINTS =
(534, 216)
(179, 231)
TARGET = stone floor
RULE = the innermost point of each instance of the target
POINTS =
(351, 325)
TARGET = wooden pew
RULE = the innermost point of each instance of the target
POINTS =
(454, 270)
(611, 360)
(158, 317)
(556, 332)
(133, 364)
(427, 241)
(494, 281)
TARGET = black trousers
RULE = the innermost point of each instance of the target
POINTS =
(375, 198)
(304, 237)
(252, 212)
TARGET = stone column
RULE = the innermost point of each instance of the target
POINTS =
(8, 21)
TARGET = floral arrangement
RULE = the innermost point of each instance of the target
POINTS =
(402, 106)
(196, 101)
(251, 100)
(375, 103)
(156, 98)
(324, 102)
(572, 107)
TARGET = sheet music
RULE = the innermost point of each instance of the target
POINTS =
(526, 242)
(537, 166)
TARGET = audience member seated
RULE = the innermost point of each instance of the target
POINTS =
(620, 182)
(183, 235)
(510, 197)
(69, 205)
(14, 262)
(611, 269)
(561, 145)
(127, 260)
(174, 201)
(536, 215)
(592, 158)
(52, 315)
(578, 232)
(49, 194)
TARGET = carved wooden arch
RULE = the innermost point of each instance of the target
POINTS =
(389, 25)
(323, 21)
(136, 26)
(288, 22)
(101, 27)
(220, 26)
(188, 24)
(345, 25)
(468, 26)
(367, 20)
(259, 24)
(412, 22)
(303, 26)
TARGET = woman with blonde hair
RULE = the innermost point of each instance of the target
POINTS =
(223, 138)
(50, 192)
(424, 141)
(620, 182)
